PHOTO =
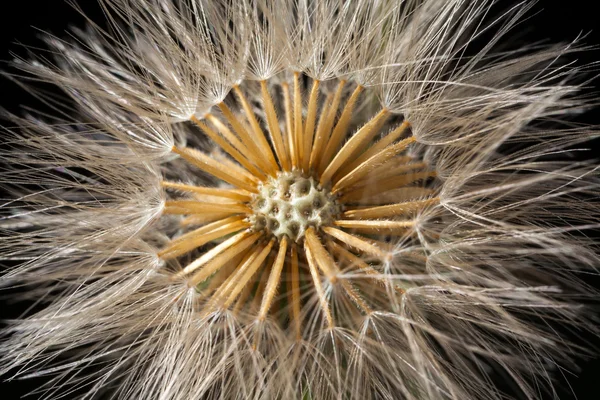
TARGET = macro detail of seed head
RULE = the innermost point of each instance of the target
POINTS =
(295, 199)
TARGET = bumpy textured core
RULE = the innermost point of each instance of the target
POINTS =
(290, 203)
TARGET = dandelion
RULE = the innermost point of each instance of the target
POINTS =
(297, 200)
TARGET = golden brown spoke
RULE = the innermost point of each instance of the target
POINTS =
(327, 264)
(375, 227)
(248, 274)
(217, 256)
(391, 210)
(384, 185)
(324, 130)
(353, 294)
(223, 291)
(202, 198)
(223, 130)
(322, 257)
(234, 194)
(318, 287)
(230, 164)
(320, 139)
(274, 279)
(289, 124)
(273, 123)
(355, 144)
(262, 279)
(230, 149)
(197, 207)
(309, 129)
(411, 193)
(217, 263)
(356, 242)
(204, 218)
(210, 166)
(354, 260)
(242, 133)
(221, 276)
(184, 245)
(385, 171)
(262, 140)
(377, 160)
(298, 131)
(340, 131)
(393, 167)
(295, 285)
(377, 147)
(242, 299)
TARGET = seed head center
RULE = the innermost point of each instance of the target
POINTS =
(291, 203)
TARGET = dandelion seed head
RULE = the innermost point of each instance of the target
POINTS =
(296, 199)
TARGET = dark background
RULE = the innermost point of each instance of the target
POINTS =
(552, 21)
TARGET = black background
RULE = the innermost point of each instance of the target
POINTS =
(551, 21)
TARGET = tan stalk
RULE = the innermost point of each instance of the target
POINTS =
(274, 279)
(322, 257)
(273, 123)
(210, 166)
(356, 242)
(377, 160)
(355, 144)
(219, 296)
(353, 294)
(295, 284)
(199, 219)
(248, 273)
(200, 237)
(409, 193)
(361, 264)
(223, 130)
(221, 276)
(341, 129)
(309, 129)
(385, 171)
(258, 132)
(197, 207)
(289, 116)
(298, 131)
(262, 279)
(319, 288)
(234, 194)
(374, 227)
(384, 185)
(254, 148)
(341, 252)
(320, 140)
(242, 299)
(222, 252)
(412, 254)
(230, 164)
(377, 147)
(391, 210)
(325, 128)
(329, 267)
(230, 149)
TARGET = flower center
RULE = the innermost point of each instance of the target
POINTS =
(291, 203)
